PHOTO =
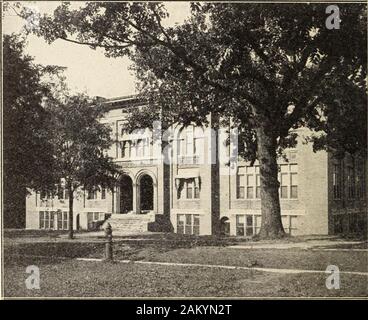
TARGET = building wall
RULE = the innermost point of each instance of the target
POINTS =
(305, 214)
(312, 210)
(347, 208)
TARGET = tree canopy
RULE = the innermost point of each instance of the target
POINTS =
(27, 160)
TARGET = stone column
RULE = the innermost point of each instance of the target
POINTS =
(155, 194)
(136, 198)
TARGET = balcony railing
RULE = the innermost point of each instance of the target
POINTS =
(189, 159)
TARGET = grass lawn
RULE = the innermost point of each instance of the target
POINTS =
(68, 277)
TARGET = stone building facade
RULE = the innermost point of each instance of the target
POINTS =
(183, 182)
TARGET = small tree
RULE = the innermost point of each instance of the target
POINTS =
(79, 142)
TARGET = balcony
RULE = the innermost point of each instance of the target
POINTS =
(189, 160)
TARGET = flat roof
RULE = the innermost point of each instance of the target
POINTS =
(123, 102)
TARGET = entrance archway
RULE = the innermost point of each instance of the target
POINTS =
(126, 194)
(146, 194)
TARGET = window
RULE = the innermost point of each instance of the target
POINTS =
(196, 224)
(351, 183)
(188, 224)
(189, 188)
(293, 185)
(248, 180)
(139, 148)
(283, 185)
(196, 192)
(250, 186)
(62, 193)
(45, 195)
(180, 223)
(92, 195)
(47, 220)
(360, 181)
(240, 225)
(65, 220)
(42, 220)
(240, 186)
(336, 181)
(61, 222)
(250, 224)
(190, 145)
(258, 186)
(247, 224)
(288, 177)
(126, 149)
(103, 193)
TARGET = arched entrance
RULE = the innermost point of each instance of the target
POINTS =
(146, 194)
(126, 194)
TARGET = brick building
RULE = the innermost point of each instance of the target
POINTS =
(183, 182)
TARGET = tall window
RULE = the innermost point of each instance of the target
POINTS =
(62, 220)
(190, 145)
(247, 224)
(62, 193)
(188, 189)
(46, 219)
(240, 186)
(188, 224)
(360, 180)
(336, 181)
(142, 147)
(126, 149)
(351, 183)
(288, 177)
(258, 186)
(92, 194)
(139, 148)
(248, 183)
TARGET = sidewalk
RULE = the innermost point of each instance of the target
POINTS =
(309, 244)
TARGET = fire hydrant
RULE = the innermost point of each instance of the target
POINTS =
(108, 243)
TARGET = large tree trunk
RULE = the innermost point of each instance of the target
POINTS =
(71, 199)
(271, 226)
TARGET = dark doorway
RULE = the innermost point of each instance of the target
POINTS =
(126, 194)
(146, 194)
(225, 226)
(78, 222)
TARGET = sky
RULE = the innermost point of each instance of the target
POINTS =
(87, 70)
